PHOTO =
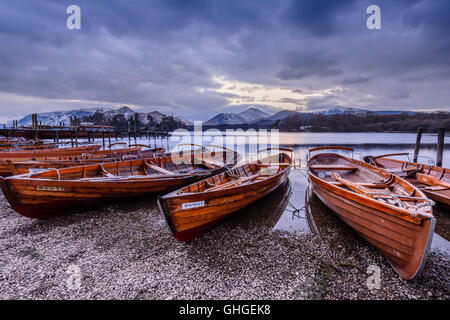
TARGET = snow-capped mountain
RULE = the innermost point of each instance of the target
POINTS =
(250, 115)
(340, 110)
(56, 117)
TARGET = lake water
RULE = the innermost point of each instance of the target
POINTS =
(364, 143)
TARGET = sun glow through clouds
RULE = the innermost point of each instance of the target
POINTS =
(239, 93)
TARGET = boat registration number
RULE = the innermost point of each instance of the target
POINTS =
(45, 188)
(190, 205)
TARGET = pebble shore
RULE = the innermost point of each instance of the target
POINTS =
(125, 251)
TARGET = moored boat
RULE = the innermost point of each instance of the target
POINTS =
(60, 191)
(27, 146)
(193, 209)
(386, 210)
(53, 152)
(9, 168)
(432, 180)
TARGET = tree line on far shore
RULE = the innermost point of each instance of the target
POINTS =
(350, 122)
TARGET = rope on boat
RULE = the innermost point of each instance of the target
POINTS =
(399, 203)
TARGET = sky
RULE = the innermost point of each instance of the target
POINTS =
(197, 58)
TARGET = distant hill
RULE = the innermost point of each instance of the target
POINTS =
(56, 117)
(250, 115)
(283, 114)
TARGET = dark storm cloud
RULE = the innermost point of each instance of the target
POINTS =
(319, 17)
(355, 80)
(299, 65)
(164, 54)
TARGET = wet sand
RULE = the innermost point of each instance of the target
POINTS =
(125, 251)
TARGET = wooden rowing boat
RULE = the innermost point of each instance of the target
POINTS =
(56, 152)
(191, 210)
(60, 191)
(27, 146)
(433, 181)
(385, 209)
(59, 154)
(9, 168)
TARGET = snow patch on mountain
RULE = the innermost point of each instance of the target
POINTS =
(250, 115)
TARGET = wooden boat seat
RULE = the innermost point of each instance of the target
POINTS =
(273, 164)
(266, 172)
(332, 168)
(158, 169)
(387, 197)
(431, 181)
(106, 173)
(235, 182)
(363, 184)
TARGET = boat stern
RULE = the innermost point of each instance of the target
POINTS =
(427, 248)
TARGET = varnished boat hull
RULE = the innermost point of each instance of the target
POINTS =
(439, 197)
(41, 199)
(403, 243)
(45, 154)
(186, 225)
(56, 152)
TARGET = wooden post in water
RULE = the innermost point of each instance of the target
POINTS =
(71, 132)
(129, 132)
(167, 137)
(76, 129)
(156, 132)
(440, 146)
(135, 123)
(109, 132)
(148, 133)
(161, 132)
(417, 147)
(35, 126)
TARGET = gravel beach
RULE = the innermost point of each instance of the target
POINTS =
(125, 251)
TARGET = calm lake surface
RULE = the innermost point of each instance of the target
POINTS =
(363, 143)
(293, 207)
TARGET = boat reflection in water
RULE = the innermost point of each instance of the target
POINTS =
(265, 213)
(323, 222)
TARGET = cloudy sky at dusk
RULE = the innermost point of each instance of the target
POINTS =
(197, 58)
